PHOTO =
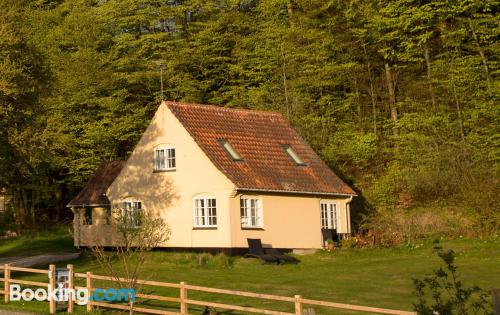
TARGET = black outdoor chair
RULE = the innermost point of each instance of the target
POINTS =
(255, 250)
(283, 258)
(269, 255)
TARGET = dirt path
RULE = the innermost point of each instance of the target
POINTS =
(38, 260)
(5, 312)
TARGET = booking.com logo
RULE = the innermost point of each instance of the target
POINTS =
(80, 296)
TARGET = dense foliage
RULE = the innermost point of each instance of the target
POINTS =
(399, 97)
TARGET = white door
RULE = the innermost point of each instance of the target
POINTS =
(330, 215)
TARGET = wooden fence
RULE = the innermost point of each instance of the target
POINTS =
(298, 303)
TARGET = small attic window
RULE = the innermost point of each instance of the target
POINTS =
(230, 150)
(291, 153)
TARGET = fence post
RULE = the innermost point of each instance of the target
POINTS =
(6, 276)
(495, 294)
(183, 297)
(71, 288)
(52, 287)
(89, 291)
(298, 305)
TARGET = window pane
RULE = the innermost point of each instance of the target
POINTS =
(107, 219)
(293, 155)
(160, 159)
(157, 159)
(170, 158)
(230, 150)
(205, 212)
(87, 216)
(251, 212)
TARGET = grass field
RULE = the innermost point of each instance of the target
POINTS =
(371, 277)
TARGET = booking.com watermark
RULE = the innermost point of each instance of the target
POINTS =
(80, 296)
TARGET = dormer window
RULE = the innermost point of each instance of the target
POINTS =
(164, 159)
(294, 156)
(230, 150)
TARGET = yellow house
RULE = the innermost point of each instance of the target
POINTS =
(219, 176)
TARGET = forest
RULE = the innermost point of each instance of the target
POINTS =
(399, 97)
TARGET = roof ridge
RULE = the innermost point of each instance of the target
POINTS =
(222, 107)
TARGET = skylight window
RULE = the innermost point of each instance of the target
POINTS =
(291, 153)
(230, 150)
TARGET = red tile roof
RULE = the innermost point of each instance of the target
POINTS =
(94, 192)
(259, 138)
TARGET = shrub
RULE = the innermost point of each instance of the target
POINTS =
(349, 243)
(388, 228)
(443, 293)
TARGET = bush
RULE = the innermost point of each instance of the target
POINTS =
(443, 293)
(389, 228)
(349, 243)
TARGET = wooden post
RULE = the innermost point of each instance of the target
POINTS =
(89, 291)
(52, 287)
(71, 288)
(298, 305)
(6, 276)
(495, 294)
(183, 297)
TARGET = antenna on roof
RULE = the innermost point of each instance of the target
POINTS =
(160, 65)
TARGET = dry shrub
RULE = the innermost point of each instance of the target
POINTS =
(407, 226)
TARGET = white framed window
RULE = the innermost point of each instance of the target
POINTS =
(251, 212)
(164, 159)
(131, 213)
(330, 215)
(205, 212)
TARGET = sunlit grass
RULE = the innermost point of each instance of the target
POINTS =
(371, 277)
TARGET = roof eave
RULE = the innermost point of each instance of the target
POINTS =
(88, 205)
(296, 192)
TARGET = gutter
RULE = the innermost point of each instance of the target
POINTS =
(89, 205)
(298, 192)
(348, 214)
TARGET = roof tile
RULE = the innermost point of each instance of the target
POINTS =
(259, 138)
(94, 192)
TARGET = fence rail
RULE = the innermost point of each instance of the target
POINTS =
(297, 301)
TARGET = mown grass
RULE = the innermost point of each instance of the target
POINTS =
(56, 241)
(371, 277)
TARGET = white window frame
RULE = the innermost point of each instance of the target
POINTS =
(330, 215)
(203, 216)
(132, 212)
(249, 219)
(168, 162)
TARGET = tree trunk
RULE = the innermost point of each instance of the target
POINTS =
(285, 83)
(358, 106)
(459, 113)
(374, 106)
(429, 76)
(392, 98)
(371, 91)
(482, 55)
(25, 207)
(289, 7)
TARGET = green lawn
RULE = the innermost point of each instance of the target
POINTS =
(371, 277)
(58, 241)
